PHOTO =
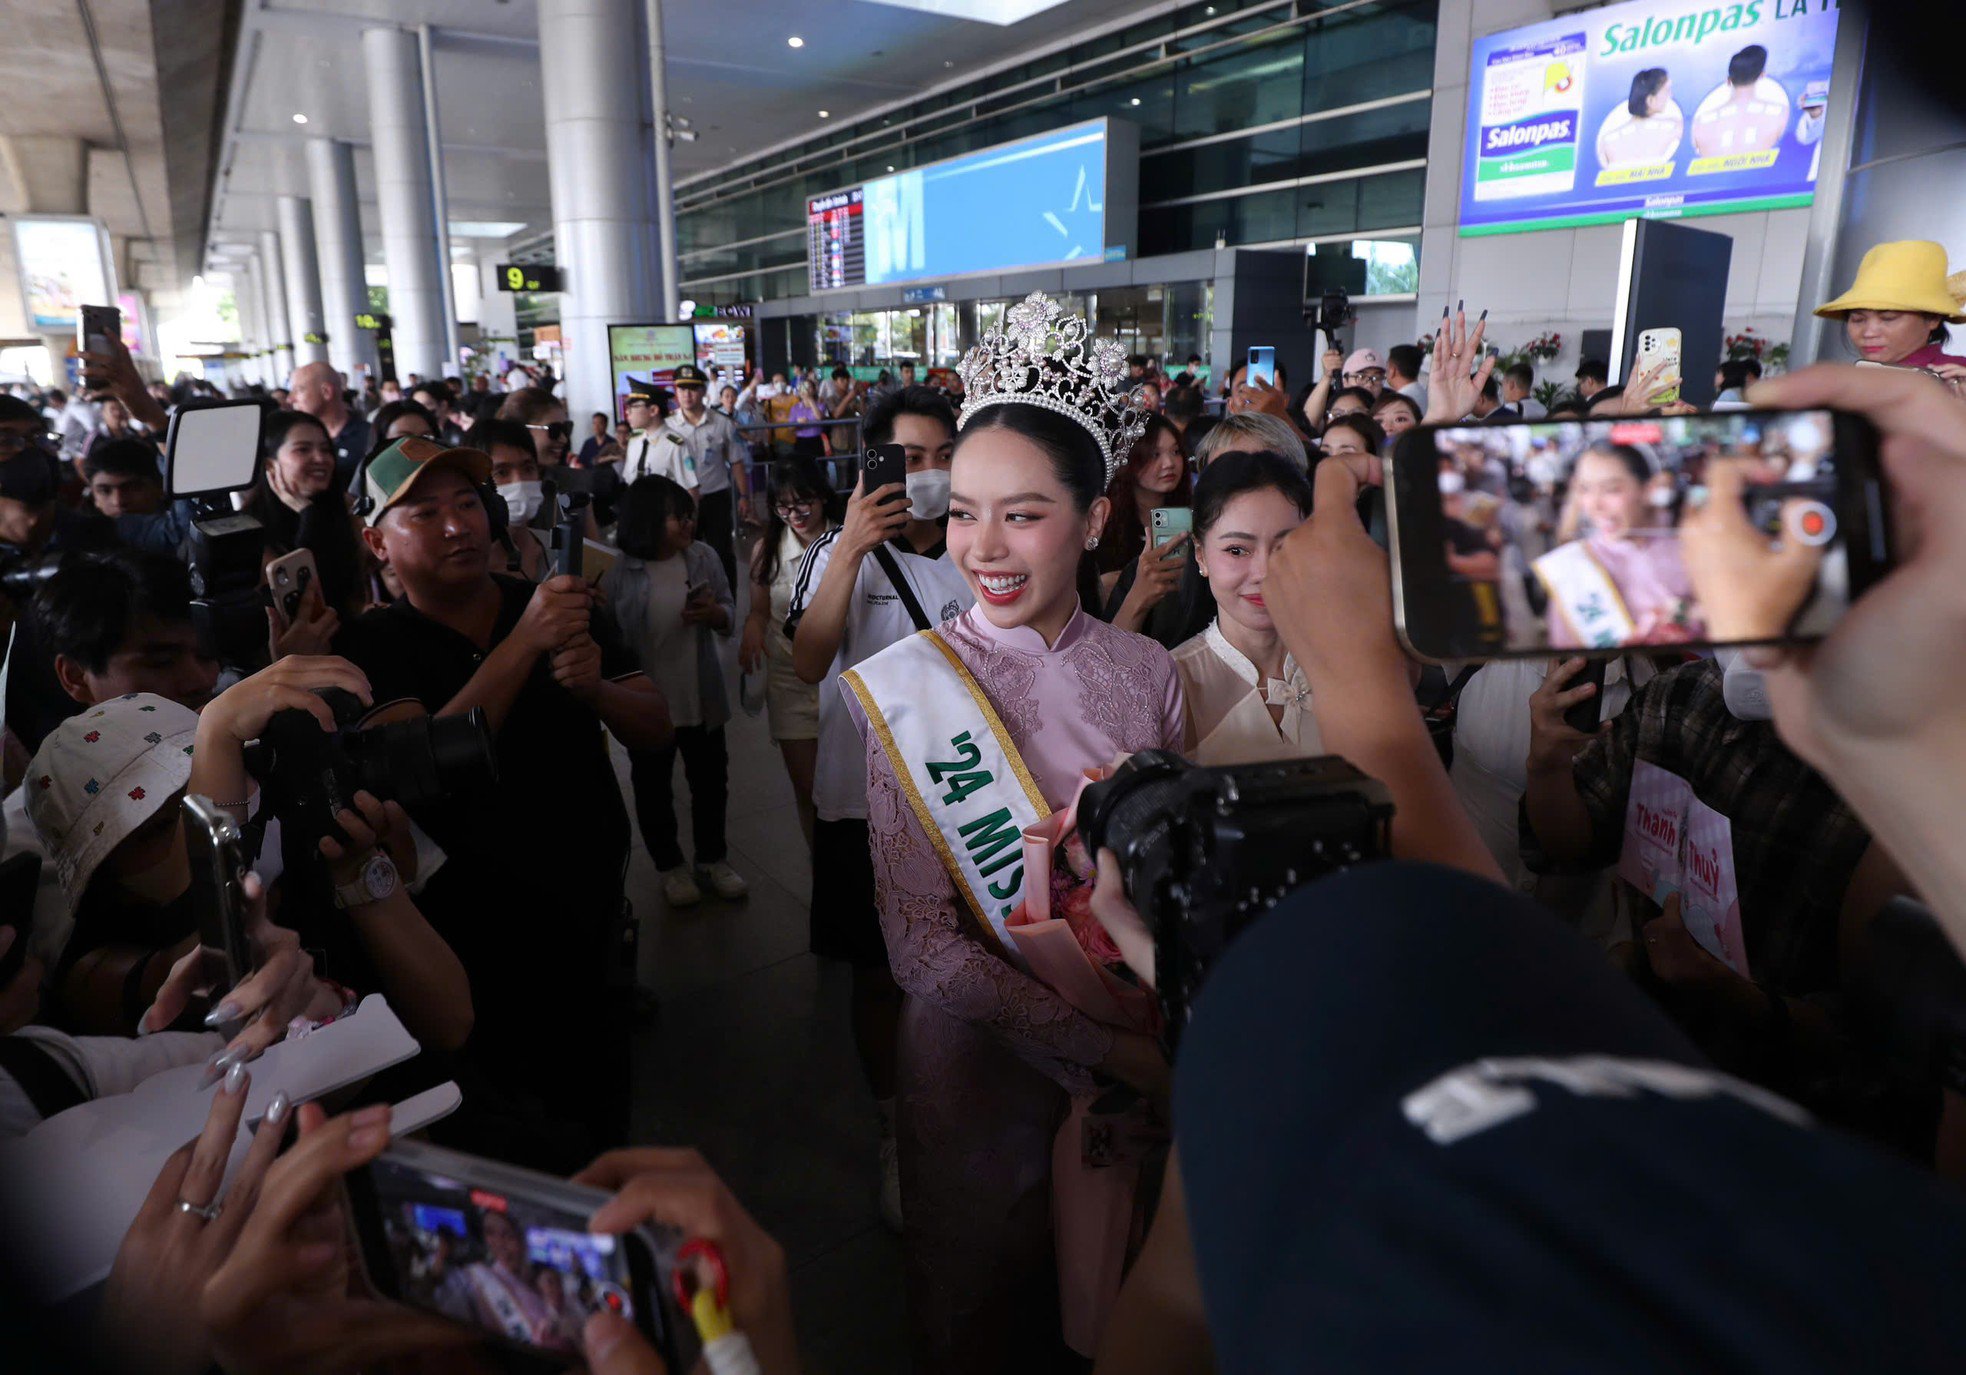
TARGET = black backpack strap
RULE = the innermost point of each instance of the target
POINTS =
(893, 571)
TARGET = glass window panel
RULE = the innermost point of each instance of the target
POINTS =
(1367, 139)
(1147, 102)
(1328, 208)
(1222, 166)
(1396, 198)
(1255, 85)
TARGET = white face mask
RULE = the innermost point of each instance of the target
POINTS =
(1743, 687)
(928, 494)
(1450, 483)
(521, 500)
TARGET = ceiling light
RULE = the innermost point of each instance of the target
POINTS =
(795, 42)
(825, 114)
(999, 12)
(300, 119)
(890, 167)
(1134, 101)
(485, 229)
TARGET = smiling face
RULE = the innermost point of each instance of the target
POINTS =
(304, 462)
(1160, 473)
(503, 1243)
(1887, 336)
(1608, 495)
(1015, 534)
(1235, 554)
(1395, 419)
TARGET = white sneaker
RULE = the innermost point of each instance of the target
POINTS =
(890, 1183)
(728, 883)
(679, 887)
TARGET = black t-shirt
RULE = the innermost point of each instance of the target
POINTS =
(534, 873)
(1422, 1126)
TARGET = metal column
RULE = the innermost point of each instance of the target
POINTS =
(598, 170)
(338, 240)
(671, 292)
(273, 284)
(406, 201)
(303, 284)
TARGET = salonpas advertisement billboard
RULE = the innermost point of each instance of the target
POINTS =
(1651, 109)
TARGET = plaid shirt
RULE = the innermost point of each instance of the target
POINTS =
(1796, 843)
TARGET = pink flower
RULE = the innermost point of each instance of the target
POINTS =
(1091, 936)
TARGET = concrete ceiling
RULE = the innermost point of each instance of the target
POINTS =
(731, 74)
(113, 111)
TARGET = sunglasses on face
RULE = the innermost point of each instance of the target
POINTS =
(559, 429)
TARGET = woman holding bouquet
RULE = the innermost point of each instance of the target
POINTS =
(976, 732)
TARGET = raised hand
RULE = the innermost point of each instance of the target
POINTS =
(1460, 368)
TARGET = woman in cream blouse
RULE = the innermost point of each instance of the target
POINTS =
(1246, 698)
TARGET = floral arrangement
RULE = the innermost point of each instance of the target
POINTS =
(1751, 343)
(1072, 876)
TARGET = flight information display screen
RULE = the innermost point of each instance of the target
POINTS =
(1062, 197)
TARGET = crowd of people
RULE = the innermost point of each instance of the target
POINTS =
(1083, 556)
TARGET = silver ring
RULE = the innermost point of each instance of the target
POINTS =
(207, 1211)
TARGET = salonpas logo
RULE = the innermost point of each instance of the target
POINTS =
(1687, 28)
(1528, 133)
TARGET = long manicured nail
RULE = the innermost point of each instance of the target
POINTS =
(1484, 315)
(143, 1026)
(216, 1067)
(1461, 306)
(227, 1011)
(1445, 311)
(276, 1111)
(235, 1078)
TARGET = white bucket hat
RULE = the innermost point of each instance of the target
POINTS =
(101, 775)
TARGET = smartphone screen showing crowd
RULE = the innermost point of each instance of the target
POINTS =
(507, 1251)
(1543, 537)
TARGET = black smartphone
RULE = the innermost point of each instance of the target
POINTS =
(1587, 714)
(506, 1251)
(881, 465)
(218, 870)
(1541, 537)
(20, 879)
(96, 326)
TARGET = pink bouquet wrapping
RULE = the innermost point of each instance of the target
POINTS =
(1062, 943)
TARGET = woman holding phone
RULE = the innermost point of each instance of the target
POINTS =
(670, 598)
(1139, 570)
(1247, 700)
(974, 731)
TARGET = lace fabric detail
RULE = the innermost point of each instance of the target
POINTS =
(1123, 683)
(1007, 675)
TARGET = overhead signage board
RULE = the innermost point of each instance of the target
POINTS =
(1654, 109)
(64, 265)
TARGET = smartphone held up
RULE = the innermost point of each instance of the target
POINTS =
(1546, 537)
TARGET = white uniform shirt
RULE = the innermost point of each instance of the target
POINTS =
(659, 453)
(877, 619)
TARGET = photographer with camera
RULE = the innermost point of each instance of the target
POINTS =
(531, 924)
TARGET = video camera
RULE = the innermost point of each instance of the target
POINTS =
(212, 451)
(310, 774)
(1206, 851)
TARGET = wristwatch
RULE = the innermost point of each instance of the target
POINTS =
(377, 880)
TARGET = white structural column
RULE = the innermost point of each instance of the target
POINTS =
(338, 245)
(269, 358)
(245, 301)
(303, 284)
(273, 282)
(412, 252)
(598, 166)
(669, 288)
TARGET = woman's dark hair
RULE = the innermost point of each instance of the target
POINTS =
(1645, 85)
(1734, 374)
(1359, 394)
(1633, 460)
(799, 476)
(1364, 426)
(1398, 398)
(1126, 535)
(324, 527)
(510, 433)
(1235, 473)
(274, 430)
(642, 514)
(1076, 461)
(395, 411)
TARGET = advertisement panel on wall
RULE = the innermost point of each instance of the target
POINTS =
(64, 264)
(1062, 197)
(720, 344)
(1655, 108)
(641, 356)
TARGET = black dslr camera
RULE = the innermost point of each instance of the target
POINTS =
(1206, 851)
(310, 774)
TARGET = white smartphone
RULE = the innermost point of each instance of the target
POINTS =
(1657, 346)
(289, 577)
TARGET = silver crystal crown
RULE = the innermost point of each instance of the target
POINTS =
(1044, 357)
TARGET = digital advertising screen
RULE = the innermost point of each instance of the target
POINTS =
(1063, 197)
(644, 356)
(64, 265)
(1652, 108)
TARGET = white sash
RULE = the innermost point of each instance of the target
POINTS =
(969, 788)
(1590, 600)
(490, 1286)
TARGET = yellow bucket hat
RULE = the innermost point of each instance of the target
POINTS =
(1907, 275)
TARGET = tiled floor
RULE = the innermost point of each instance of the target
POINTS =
(752, 1063)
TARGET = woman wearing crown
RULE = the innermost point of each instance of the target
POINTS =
(974, 732)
